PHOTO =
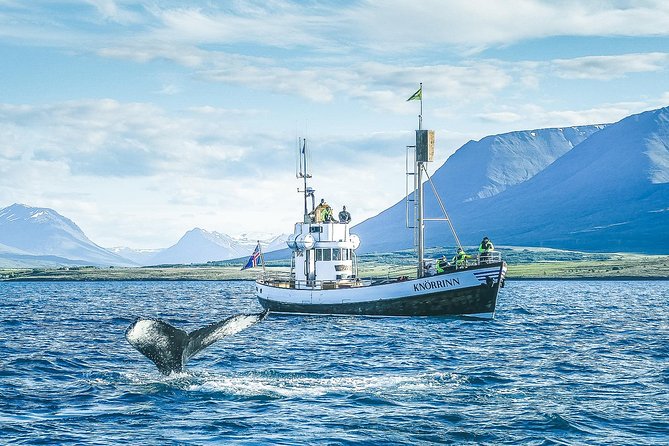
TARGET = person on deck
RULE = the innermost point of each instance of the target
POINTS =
(442, 264)
(460, 259)
(344, 216)
(485, 248)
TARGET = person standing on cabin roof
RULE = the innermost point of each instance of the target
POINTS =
(323, 212)
(344, 216)
(317, 213)
(327, 213)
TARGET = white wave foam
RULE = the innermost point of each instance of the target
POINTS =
(255, 385)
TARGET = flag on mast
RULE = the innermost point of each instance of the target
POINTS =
(254, 259)
(417, 96)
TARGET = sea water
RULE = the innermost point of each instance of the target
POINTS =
(563, 362)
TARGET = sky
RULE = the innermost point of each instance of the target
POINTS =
(140, 120)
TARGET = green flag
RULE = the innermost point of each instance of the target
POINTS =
(418, 95)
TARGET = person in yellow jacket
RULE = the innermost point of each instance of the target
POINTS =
(442, 264)
(460, 259)
(485, 247)
(327, 214)
(322, 212)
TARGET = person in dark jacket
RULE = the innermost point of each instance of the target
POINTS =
(344, 216)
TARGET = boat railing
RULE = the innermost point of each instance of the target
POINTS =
(287, 280)
(390, 274)
(477, 260)
(489, 257)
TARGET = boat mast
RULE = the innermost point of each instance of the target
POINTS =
(419, 193)
(424, 151)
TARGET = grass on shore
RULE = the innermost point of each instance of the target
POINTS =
(524, 263)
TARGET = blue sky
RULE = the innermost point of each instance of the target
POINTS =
(140, 120)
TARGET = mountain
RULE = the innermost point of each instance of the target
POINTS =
(200, 246)
(43, 235)
(477, 170)
(609, 192)
(487, 167)
(32, 237)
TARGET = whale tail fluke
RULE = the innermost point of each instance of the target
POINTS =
(170, 348)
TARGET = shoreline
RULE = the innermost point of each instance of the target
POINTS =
(530, 272)
(515, 279)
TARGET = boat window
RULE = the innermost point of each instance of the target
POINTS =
(345, 255)
(336, 254)
(316, 229)
(326, 255)
(319, 254)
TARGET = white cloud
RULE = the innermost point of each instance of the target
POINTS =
(537, 116)
(110, 10)
(388, 26)
(109, 138)
(478, 24)
(504, 116)
(275, 24)
(610, 67)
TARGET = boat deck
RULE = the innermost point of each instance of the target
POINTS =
(287, 281)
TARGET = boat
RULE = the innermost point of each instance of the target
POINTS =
(323, 277)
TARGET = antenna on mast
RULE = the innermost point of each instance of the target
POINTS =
(303, 172)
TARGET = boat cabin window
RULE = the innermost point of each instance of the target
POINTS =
(326, 254)
(336, 254)
(316, 229)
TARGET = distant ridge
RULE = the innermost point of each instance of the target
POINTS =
(199, 246)
(47, 236)
(34, 237)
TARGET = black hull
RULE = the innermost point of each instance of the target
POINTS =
(476, 300)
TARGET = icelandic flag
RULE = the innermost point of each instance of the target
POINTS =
(254, 259)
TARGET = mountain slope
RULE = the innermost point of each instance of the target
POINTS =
(487, 167)
(31, 231)
(610, 193)
(199, 246)
(477, 170)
